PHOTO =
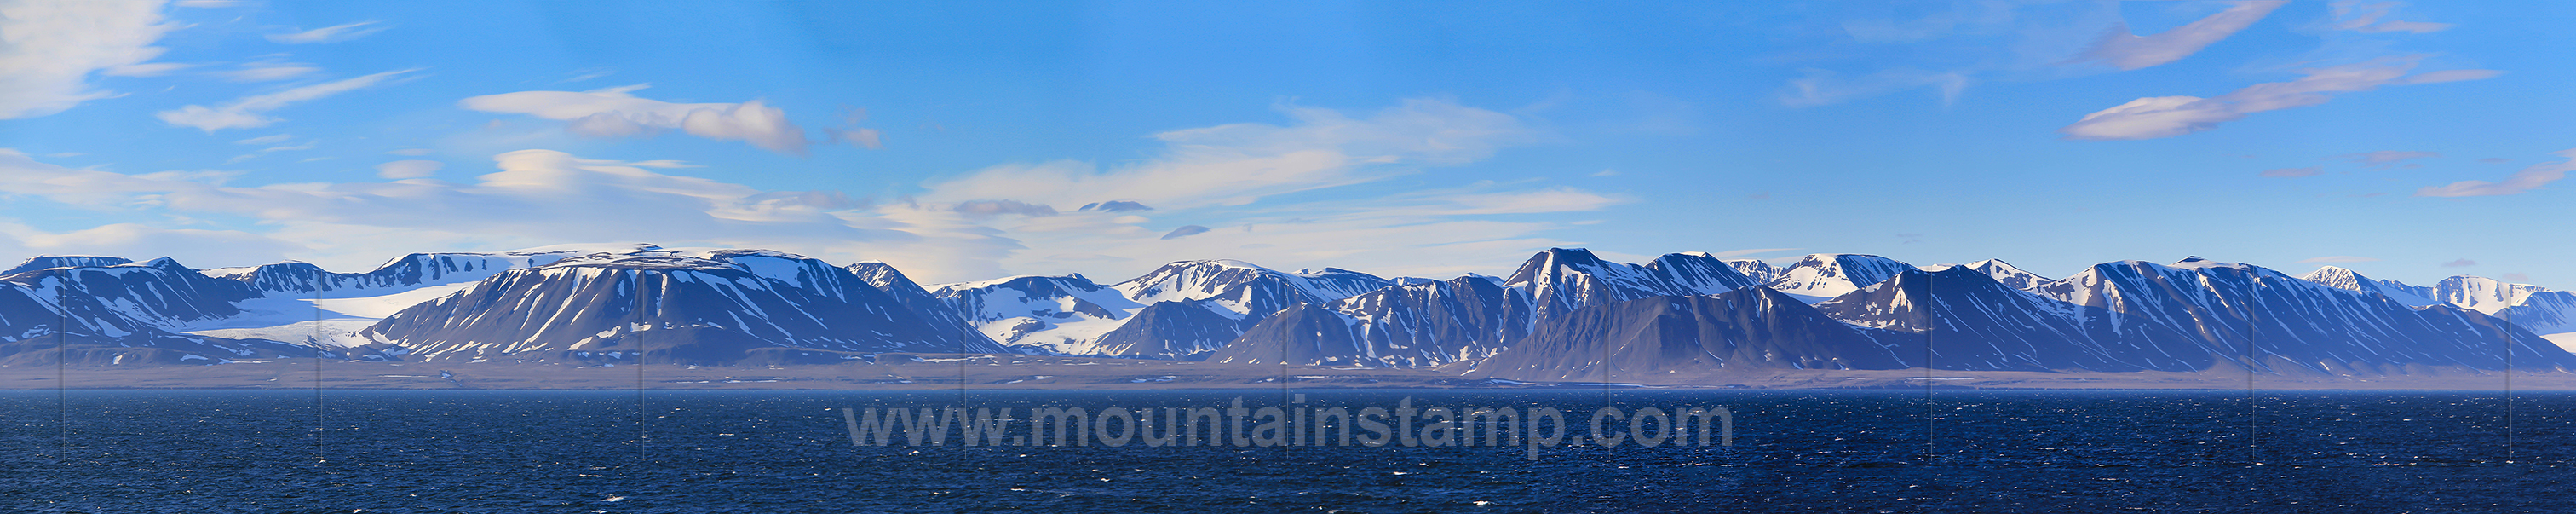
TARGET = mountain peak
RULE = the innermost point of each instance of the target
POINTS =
(65, 261)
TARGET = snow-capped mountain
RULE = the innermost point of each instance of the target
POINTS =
(1064, 314)
(2482, 294)
(65, 261)
(1185, 330)
(1755, 328)
(1413, 325)
(2348, 280)
(601, 304)
(2010, 276)
(32, 332)
(930, 309)
(401, 273)
(1561, 280)
(1820, 277)
(712, 307)
(2552, 314)
(108, 311)
(159, 293)
(1182, 310)
(1972, 321)
(1246, 288)
(2250, 313)
(1760, 272)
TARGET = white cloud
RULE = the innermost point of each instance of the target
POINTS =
(2359, 17)
(1555, 199)
(308, 145)
(266, 70)
(1215, 193)
(587, 74)
(2168, 116)
(1226, 178)
(149, 69)
(2310, 171)
(52, 48)
(1824, 87)
(2383, 158)
(1239, 163)
(982, 208)
(266, 140)
(2337, 258)
(409, 169)
(612, 112)
(246, 112)
(537, 197)
(2126, 51)
(331, 34)
(415, 152)
(2530, 178)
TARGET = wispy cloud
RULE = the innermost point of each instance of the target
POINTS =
(248, 112)
(331, 34)
(612, 112)
(1237, 180)
(2529, 179)
(1239, 163)
(587, 74)
(2169, 116)
(2462, 263)
(52, 50)
(266, 140)
(2383, 158)
(2337, 258)
(308, 145)
(2372, 17)
(534, 197)
(269, 69)
(409, 169)
(2310, 171)
(1825, 87)
(2126, 51)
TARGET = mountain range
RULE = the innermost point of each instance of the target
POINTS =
(1563, 315)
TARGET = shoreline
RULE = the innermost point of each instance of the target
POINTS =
(926, 372)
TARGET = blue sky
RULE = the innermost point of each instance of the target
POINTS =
(2406, 141)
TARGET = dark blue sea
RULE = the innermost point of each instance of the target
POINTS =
(1794, 451)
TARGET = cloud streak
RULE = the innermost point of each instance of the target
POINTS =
(2525, 181)
(2368, 18)
(613, 113)
(2383, 158)
(1241, 163)
(2126, 51)
(250, 111)
(2169, 116)
(331, 34)
(1235, 179)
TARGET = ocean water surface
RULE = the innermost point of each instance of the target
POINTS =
(1794, 451)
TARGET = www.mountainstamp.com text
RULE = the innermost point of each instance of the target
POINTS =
(1296, 424)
